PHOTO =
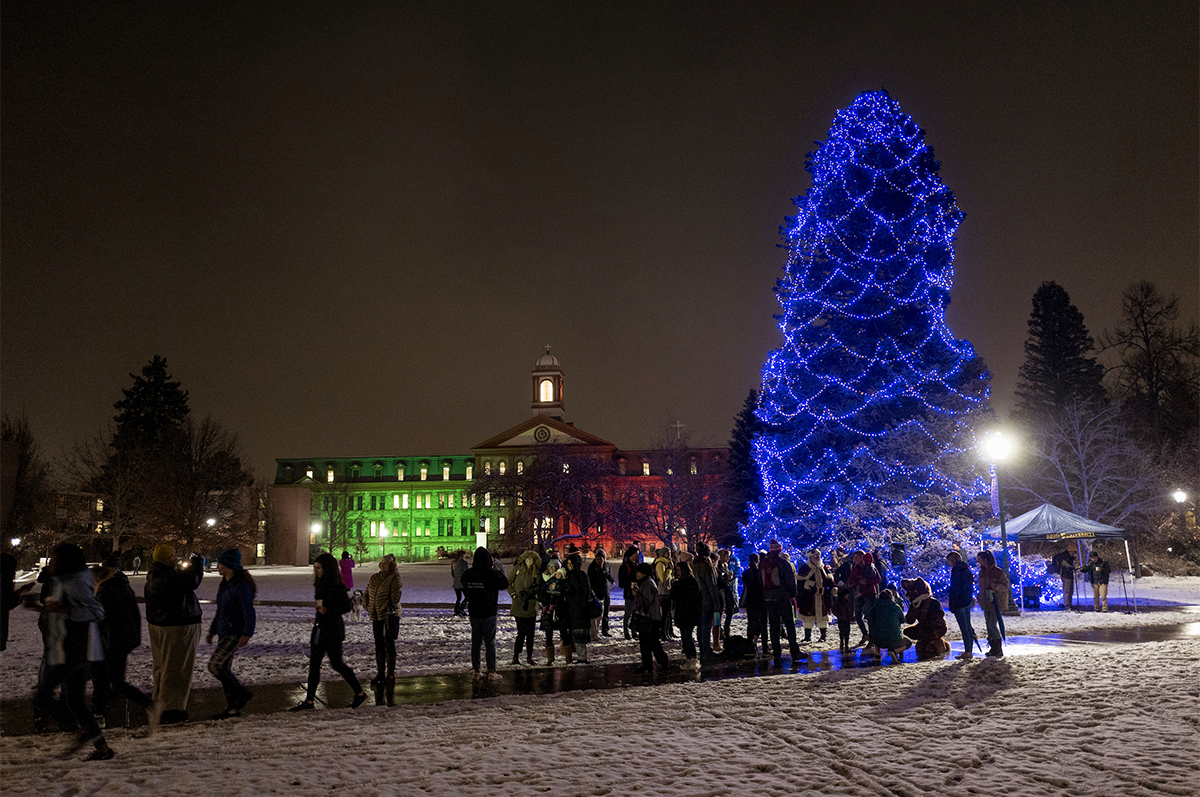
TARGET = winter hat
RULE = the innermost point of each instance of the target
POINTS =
(774, 546)
(231, 559)
(113, 560)
(645, 569)
(164, 554)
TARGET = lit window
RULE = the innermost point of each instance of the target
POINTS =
(329, 475)
(693, 467)
(483, 524)
(621, 466)
(645, 468)
(520, 467)
(260, 550)
(501, 467)
(99, 504)
(308, 472)
(546, 390)
(502, 499)
(487, 467)
(396, 501)
(450, 500)
(470, 471)
(487, 499)
(500, 525)
(404, 501)
(383, 529)
(424, 472)
(670, 471)
(566, 468)
(374, 529)
(400, 472)
(445, 471)
(441, 500)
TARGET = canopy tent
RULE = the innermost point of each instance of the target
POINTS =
(1048, 523)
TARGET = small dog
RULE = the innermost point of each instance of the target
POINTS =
(357, 612)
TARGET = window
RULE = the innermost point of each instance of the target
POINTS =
(396, 501)
(501, 467)
(692, 468)
(645, 468)
(470, 471)
(404, 501)
(373, 506)
(308, 472)
(545, 390)
(487, 499)
(329, 475)
(446, 471)
(441, 500)
(500, 525)
(99, 504)
(374, 530)
(621, 466)
(483, 524)
(287, 473)
(487, 467)
(566, 468)
(520, 467)
(400, 472)
(450, 500)
(260, 550)
(359, 503)
(424, 471)
(354, 471)
(378, 471)
(502, 499)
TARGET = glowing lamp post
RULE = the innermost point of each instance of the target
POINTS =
(997, 447)
(1180, 496)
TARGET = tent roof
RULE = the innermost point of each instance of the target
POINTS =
(1049, 523)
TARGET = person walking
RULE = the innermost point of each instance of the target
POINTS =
(346, 566)
(961, 598)
(457, 568)
(382, 602)
(137, 565)
(601, 578)
(173, 624)
(814, 587)
(993, 589)
(648, 616)
(482, 584)
(523, 589)
(328, 633)
(779, 591)
(120, 633)
(233, 625)
(73, 600)
(1097, 571)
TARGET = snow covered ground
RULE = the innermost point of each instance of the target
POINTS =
(1072, 721)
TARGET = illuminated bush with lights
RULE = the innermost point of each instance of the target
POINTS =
(870, 404)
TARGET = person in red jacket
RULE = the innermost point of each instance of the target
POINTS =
(864, 584)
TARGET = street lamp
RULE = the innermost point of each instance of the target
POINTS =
(212, 521)
(1180, 496)
(997, 447)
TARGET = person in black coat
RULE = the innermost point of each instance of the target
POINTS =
(329, 631)
(685, 594)
(754, 604)
(482, 584)
(577, 617)
(120, 633)
(601, 579)
(624, 580)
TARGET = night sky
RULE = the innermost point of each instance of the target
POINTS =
(352, 229)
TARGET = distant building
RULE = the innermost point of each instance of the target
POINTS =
(412, 506)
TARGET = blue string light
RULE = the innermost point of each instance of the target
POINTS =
(870, 398)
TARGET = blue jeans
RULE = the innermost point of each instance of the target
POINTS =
(483, 632)
(963, 616)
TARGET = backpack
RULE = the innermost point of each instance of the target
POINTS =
(770, 574)
(738, 648)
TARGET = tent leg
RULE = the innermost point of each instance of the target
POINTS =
(1020, 579)
(1132, 580)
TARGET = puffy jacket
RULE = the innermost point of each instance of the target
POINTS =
(884, 622)
(577, 597)
(171, 594)
(864, 579)
(524, 584)
(600, 577)
(994, 580)
(961, 594)
(685, 602)
(783, 577)
(382, 598)
(235, 609)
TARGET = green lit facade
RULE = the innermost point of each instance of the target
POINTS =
(406, 506)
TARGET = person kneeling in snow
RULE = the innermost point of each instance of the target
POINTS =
(884, 624)
(926, 612)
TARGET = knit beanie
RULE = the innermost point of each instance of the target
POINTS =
(164, 554)
(774, 546)
(231, 559)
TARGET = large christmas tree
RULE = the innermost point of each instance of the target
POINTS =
(869, 407)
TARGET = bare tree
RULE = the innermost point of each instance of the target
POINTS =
(117, 476)
(340, 517)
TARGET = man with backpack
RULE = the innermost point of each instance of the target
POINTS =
(779, 592)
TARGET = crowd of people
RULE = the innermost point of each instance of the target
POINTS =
(90, 620)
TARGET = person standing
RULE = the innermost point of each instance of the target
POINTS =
(779, 591)
(664, 574)
(551, 597)
(457, 568)
(625, 575)
(601, 580)
(523, 589)
(756, 608)
(726, 585)
(961, 598)
(687, 612)
(1064, 568)
(346, 565)
(382, 602)
(864, 581)
(705, 571)
(814, 586)
(120, 633)
(329, 631)
(173, 623)
(649, 618)
(577, 615)
(482, 584)
(993, 589)
(10, 595)
(232, 625)
(1097, 571)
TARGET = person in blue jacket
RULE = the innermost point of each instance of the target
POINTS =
(233, 626)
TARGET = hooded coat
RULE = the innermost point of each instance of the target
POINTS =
(482, 584)
(577, 597)
(121, 628)
(524, 584)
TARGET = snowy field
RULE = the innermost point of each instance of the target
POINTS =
(1072, 721)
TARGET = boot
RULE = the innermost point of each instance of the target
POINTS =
(808, 634)
(529, 659)
(568, 653)
(391, 668)
(516, 662)
(581, 648)
(995, 650)
(378, 679)
(823, 630)
(549, 655)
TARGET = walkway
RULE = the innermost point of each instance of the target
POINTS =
(16, 716)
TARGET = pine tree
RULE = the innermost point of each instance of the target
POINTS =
(868, 408)
(1057, 370)
(745, 482)
(152, 407)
